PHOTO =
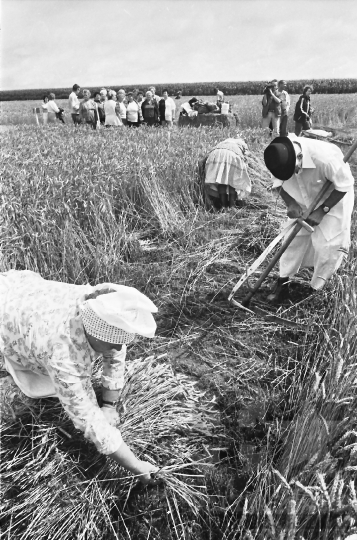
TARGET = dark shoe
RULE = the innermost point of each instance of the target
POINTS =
(280, 291)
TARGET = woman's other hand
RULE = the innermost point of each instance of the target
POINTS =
(111, 415)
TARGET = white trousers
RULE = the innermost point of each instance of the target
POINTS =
(313, 250)
(275, 120)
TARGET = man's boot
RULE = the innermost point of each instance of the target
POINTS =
(280, 291)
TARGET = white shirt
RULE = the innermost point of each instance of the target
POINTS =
(122, 109)
(285, 101)
(132, 111)
(52, 107)
(220, 95)
(322, 161)
(73, 103)
(111, 118)
(170, 109)
(186, 107)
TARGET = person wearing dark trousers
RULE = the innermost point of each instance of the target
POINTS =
(73, 103)
(150, 110)
(303, 111)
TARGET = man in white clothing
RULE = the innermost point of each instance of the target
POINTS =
(220, 95)
(73, 103)
(301, 167)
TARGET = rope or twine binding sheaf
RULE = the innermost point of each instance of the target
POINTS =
(168, 421)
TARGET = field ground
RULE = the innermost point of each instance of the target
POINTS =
(280, 461)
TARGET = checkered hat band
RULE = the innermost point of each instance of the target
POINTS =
(96, 327)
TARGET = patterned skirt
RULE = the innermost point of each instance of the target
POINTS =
(227, 168)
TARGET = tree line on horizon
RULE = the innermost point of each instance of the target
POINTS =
(321, 86)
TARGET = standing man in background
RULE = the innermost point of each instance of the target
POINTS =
(285, 106)
(73, 103)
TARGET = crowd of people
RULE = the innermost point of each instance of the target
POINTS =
(109, 108)
(276, 105)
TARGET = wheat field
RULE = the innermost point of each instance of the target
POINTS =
(259, 437)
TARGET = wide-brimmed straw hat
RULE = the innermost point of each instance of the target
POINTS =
(280, 158)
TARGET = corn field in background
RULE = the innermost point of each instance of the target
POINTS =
(262, 439)
(321, 86)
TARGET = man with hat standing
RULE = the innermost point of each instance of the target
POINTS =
(301, 167)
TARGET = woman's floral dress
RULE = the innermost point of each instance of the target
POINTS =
(45, 350)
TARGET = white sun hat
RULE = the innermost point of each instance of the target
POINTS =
(116, 317)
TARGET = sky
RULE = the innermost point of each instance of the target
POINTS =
(56, 43)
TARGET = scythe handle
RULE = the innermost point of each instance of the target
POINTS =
(305, 225)
(350, 152)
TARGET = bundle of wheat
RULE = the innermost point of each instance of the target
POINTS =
(55, 485)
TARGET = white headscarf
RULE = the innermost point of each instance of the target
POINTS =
(117, 316)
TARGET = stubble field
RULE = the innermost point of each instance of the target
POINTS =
(267, 447)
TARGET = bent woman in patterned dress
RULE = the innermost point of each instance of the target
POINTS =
(50, 335)
(225, 172)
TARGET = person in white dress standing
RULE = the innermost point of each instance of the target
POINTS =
(44, 109)
(111, 116)
(167, 109)
(54, 111)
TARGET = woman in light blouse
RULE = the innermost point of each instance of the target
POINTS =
(133, 111)
(50, 335)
